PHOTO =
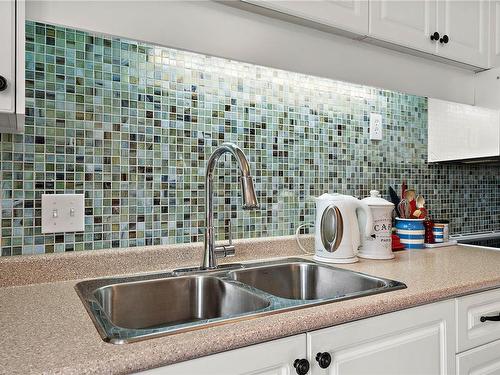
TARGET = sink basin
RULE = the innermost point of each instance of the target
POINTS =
(306, 281)
(137, 307)
(174, 301)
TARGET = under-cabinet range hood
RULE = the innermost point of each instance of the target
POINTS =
(463, 133)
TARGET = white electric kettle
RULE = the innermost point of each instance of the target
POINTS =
(337, 229)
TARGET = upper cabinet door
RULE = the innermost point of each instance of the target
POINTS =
(8, 55)
(349, 15)
(495, 33)
(405, 23)
(466, 24)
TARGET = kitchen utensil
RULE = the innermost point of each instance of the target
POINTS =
(378, 246)
(420, 201)
(337, 232)
(411, 232)
(410, 197)
(404, 209)
(394, 196)
(403, 189)
(420, 212)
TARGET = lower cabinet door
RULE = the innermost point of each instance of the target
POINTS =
(271, 358)
(419, 341)
(484, 360)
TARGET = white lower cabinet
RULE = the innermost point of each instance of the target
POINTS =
(460, 336)
(478, 333)
(415, 341)
(484, 360)
(419, 341)
(271, 358)
(472, 331)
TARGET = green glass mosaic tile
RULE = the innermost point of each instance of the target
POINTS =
(131, 125)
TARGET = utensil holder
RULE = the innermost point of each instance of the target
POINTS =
(411, 232)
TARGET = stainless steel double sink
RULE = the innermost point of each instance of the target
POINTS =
(134, 308)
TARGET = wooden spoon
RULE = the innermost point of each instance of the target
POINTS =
(420, 201)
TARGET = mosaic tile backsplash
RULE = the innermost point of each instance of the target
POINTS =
(131, 125)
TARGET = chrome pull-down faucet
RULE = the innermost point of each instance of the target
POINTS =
(209, 260)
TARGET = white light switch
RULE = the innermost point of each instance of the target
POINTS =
(375, 126)
(63, 213)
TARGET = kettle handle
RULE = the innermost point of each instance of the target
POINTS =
(369, 218)
(331, 228)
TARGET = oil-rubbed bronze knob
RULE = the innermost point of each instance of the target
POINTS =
(324, 359)
(3, 83)
(301, 366)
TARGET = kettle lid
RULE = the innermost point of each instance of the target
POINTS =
(332, 197)
(375, 200)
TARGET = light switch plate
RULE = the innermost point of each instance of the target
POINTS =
(375, 126)
(63, 213)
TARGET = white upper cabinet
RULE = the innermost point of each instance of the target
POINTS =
(12, 65)
(349, 15)
(462, 132)
(405, 23)
(7, 58)
(466, 26)
(495, 33)
(455, 30)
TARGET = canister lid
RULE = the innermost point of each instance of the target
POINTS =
(375, 200)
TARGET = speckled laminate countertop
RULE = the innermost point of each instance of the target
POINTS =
(45, 328)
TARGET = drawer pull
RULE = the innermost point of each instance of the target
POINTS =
(491, 318)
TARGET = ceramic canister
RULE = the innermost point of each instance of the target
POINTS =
(440, 231)
(379, 246)
(411, 232)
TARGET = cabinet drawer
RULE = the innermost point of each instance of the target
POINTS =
(471, 332)
(484, 360)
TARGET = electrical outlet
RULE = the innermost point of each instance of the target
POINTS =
(63, 213)
(375, 126)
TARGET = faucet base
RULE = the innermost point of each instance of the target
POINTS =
(221, 267)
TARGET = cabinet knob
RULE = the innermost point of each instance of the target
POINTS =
(444, 39)
(324, 359)
(301, 366)
(3, 83)
(435, 36)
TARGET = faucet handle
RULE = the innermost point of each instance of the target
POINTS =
(226, 250)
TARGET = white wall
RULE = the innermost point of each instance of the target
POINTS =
(216, 29)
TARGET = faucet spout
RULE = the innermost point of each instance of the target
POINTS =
(247, 191)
